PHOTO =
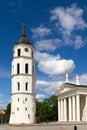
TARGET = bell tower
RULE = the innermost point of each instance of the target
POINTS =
(23, 105)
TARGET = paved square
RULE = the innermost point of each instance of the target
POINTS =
(44, 127)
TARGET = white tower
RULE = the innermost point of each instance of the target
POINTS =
(23, 105)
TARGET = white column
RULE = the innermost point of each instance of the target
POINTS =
(59, 111)
(78, 107)
(70, 107)
(73, 103)
(65, 110)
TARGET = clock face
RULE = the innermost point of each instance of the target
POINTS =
(26, 49)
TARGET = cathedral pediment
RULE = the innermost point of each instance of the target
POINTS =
(65, 88)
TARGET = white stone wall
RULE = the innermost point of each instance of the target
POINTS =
(23, 111)
(22, 63)
(23, 52)
(22, 80)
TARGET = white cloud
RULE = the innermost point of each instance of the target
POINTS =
(40, 97)
(69, 24)
(79, 42)
(48, 87)
(68, 18)
(53, 65)
(40, 57)
(68, 21)
(83, 79)
(40, 31)
(56, 67)
(48, 44)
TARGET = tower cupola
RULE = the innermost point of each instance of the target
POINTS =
(23, 38)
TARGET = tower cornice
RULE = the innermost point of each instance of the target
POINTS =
(32, 94)
(24, 57)
(24, 45)
(22, 75)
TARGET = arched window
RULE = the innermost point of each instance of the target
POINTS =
(26, 86)
(25, 108)
(17, 108)
(18, 86)
(26, 99)
(18, 68)
(33, 69)
(26, 68)
(18, 99)
(19, 52)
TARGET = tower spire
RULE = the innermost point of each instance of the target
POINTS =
(23, 38)
(23, 30)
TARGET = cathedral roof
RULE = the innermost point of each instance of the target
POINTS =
(84, 86)
(23, 38)
(69, 89)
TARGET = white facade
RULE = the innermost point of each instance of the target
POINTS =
(23, 105)
(72, 103)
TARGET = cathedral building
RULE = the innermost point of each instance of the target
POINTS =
(72, 102)
(23, 105)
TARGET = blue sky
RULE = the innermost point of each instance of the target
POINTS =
(58, 31)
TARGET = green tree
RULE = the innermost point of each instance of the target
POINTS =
(7, 113)
(52, 109)
(41, 114)
(47, 110)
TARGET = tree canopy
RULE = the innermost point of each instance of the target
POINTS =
(47, 110)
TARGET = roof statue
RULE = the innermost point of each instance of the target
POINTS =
(77, 80)
(67, 80)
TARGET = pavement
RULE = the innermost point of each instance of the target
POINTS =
(44, 127)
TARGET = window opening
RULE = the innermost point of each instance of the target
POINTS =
(26, 68)
(17, 108)
(19, 52)
(18, 68)
(25, 108)
(18, 86)
(26, 86)
(26, 99)
(18, 99)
